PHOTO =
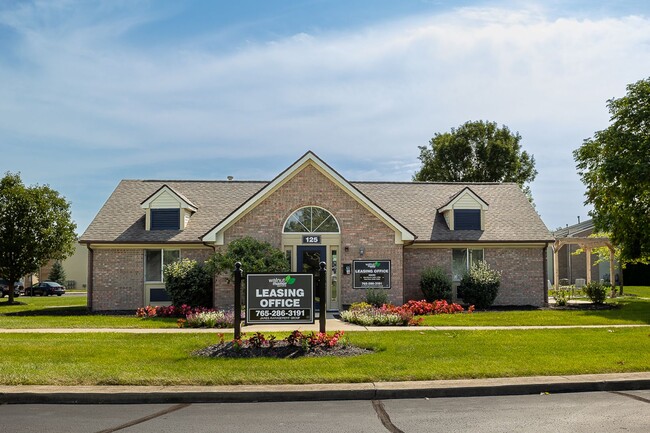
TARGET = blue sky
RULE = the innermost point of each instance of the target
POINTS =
(95, 92)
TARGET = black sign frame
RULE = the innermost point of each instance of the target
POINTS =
(280, 315)
(357, 265)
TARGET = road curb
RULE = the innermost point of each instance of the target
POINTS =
(322, 392)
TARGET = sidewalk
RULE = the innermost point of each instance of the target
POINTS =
(29, 394)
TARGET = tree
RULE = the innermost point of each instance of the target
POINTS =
(255, 256)
(614, 165)
(477, 151)
(57, 273)
(35, 227)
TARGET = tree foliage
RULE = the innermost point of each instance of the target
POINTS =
(57, 273)
(35, 226)
(477, 151)
(188, 282)
(255, 257)
(614, 165)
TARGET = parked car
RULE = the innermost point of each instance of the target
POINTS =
(46, 288)
(4, 286)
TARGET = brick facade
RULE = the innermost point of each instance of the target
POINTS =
(359, 228)
(522, 272)
(118, 277)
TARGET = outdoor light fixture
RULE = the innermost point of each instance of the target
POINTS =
(362, 251)
(347, 248)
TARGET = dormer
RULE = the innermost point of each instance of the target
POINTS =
(465, 211)
(167, 209)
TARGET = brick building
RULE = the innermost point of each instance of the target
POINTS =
(314, 214)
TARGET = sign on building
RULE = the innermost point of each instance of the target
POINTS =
(279, 298)
(371, 274)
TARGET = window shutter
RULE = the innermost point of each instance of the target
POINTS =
(467, 219)
(165, 219)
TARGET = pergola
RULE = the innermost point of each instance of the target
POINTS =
(587, 244)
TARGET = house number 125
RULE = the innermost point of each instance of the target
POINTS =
(311, 239)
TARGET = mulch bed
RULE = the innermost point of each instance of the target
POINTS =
(281, 349)
(586, 307)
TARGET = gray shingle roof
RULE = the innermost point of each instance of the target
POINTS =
(415, 205)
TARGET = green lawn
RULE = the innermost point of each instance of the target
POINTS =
(70, 312)
(66, 312)
(641, 291)
(629, 311)
(159, 359)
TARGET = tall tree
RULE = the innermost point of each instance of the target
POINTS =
(57, 273)
(35, 226)
(476, 151)
(614, 165)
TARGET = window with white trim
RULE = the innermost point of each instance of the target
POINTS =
(155, 262)
(462, 259)
(311, 219)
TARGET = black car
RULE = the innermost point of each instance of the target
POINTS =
(46, 288)
(4, 288)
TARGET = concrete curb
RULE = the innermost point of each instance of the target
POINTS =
(321, 392)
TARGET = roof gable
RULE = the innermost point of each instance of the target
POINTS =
(402, 234)
(166, 191)
(462, 194)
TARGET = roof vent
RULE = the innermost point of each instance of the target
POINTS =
(230, 178)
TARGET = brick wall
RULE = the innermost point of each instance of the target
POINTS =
(522, 273)
(358, 227)
(118, 282)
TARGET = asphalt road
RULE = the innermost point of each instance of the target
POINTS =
(575, 413)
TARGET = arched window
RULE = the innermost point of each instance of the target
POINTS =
(311, 219)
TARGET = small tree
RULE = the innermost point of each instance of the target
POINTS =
(57, 273)
(596, 292)
(480, 286)
(188, 282)
(35, 227)
(435, 284)
(255, 257)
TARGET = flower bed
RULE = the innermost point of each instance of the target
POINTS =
(390, 315)
(295, 345)
(191, 317)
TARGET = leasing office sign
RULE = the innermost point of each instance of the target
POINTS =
(371, 274)
(279, 298)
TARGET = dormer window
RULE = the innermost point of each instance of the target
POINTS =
(467, 219)
(165, 219)
(167, 209)
(465, 211)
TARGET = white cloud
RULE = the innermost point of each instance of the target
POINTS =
(377, 92)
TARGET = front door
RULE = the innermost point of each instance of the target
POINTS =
(309, 258)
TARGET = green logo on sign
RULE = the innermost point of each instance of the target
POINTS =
(377, 264)
(289, 280)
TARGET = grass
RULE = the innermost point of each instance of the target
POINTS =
(629, 311)
(70, 312)
(67, 312)
(641, 291)
(164, 359)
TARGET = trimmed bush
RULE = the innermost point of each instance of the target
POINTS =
(480, 286)
(435, 284)
(596, 292)
(376, 297)
(188, 282)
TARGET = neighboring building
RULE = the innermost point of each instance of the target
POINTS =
(572, 266)
(75, 267)
(312, 213)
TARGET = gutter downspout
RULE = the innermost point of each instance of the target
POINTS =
(89, 288)
(214, 280)
(545, 267)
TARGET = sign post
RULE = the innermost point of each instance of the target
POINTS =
(238, 273)
(321, 294)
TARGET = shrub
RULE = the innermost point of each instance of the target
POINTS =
(377, 297)
(435, 284)
(596, 292)
(188, 282)
(480, 286)
(562, 296)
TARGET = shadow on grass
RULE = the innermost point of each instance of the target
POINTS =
(52, 311)
(624, 309)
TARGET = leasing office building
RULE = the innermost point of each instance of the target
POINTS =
(314, 214)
